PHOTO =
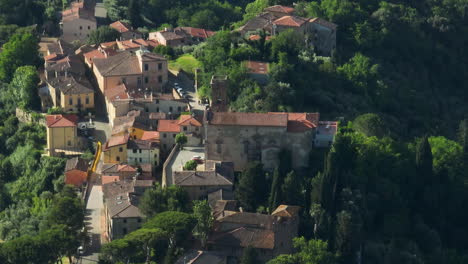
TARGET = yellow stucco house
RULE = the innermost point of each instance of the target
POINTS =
(115, 149)
(61, 134)
(71, 95)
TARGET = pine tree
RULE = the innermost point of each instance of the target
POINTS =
(275, 193)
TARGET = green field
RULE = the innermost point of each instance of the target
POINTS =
(185, 62)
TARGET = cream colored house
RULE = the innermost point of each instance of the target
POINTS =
(78, 21)
(140, 71)
(61, 134)
(71, 95)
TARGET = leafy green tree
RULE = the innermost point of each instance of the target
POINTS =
(204, 218)
(362, 73)
(24, 86)
(20, 50)
(252, 190)
(181, 139)
(370, 125)
(254, 8)
(190, 165)
(313, 251)
(116, 9)
(103, 34)
(249, 256)
(177, 225)
(118, 251)
(147, 238)
(424, 160)
(159, 199)
(165, 50)
(67, 211)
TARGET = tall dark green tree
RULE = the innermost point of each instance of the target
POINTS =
(275, 194)
(424, 161)
(293, 190)
(249, 256)
(134, 13)
(252, 190)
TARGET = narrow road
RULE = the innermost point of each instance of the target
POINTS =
(94, 212)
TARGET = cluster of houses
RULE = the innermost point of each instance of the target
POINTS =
(130, 84)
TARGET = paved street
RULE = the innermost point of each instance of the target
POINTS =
(94, 211)
(188, 86)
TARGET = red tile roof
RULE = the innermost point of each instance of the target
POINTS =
(120, 26)
(150, 135)
(301, 122)
(78, 11)
(116, 141)
(249, 119)
(61, 120)
(108, 179)
(290, 21)
(188, 120)
(258, 67)
(257, 37)
(118, 92)
(280, 9)
(197, 32)
(168, 126)
(125, 168)
(323, 22)
(98, 54)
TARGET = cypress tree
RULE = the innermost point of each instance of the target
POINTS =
(275, 193)
(293, 188)
(252, 190)
(424, 161)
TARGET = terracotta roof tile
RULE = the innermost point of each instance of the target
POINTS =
(249, 119)
(108, 179)
(286, 211)
(168, 126)
(280, 9)
(120, 26)
(116, 141)
(245, 237)
(188, 120)
(116, 93)
(196, 32)
(150, 135)
(61, 120)
(290, 21)
(258, 67)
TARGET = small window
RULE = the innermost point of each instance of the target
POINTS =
(81, 27)
(185, 128)
(159, 66)
(157, 101)
(79, 102)
(139, 220)
(124, 231)
(160, 79)
(134, 137)
(146, 67)
(155, 156)
(179, 109)
(139, 81)
(134, 151)
(170, 108)
(164, 146)
(146, 80)
(70, 101)
(117, 158)
(89, 27)
(69, 143)
(141, 160)
(120, 149)
(164, 135)
(139, 151)
(125, 220)
(196, 129)
(173, 135)
(124, 80)
(157, 109)
(87, 100)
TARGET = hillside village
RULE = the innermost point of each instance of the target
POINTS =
(233, 132)
(154, 124)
